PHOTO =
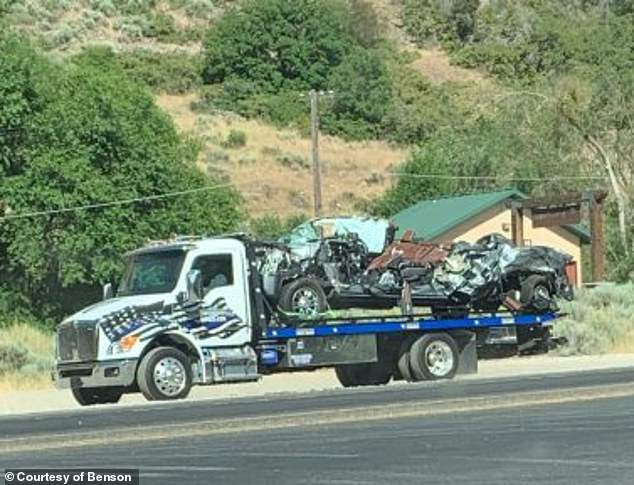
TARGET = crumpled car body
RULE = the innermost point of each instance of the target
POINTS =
(332, 251)
(304, 241)
(342, 273)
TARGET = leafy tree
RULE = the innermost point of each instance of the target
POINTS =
(440, 20)
(271, 227)
(82, 134)
(524, 139)
(279, 44)
(262, 57)
(362, 89)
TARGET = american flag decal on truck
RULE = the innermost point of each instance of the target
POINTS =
(201, 320)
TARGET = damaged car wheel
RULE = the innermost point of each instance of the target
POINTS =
(536, 294)
(304, 296)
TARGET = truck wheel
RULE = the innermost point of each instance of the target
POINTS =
(372, 374)
(304, 296)
(87, 396)
(434, 356)
(164, 374)
(535, 293)
(403, 363)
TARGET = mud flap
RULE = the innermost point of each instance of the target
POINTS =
(468, 355)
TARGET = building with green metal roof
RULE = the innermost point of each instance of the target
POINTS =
(471, 216)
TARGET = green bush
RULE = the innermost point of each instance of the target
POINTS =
(599, 320)
(362, 96)
(170, 73)
(270, 227)
(293, 161)
(26, 350)
(235, 139)
(13, 356)
(440, 20)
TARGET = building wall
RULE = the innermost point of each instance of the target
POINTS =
(498, 219)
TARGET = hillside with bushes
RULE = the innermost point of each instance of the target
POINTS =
(114, 100)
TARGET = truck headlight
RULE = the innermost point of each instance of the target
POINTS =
(124, 345)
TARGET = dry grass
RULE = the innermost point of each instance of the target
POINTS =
(273, 169)
(72, 25)
(33, 350)
(434, 64)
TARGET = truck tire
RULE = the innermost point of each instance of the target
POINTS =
(303, 295)
(164, 374)
(403, 364)
(434, 356)
(535, 294)
(371, 374)
(87, 396)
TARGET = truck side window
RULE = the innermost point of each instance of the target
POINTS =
(216, 270)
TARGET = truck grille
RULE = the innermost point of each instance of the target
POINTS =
(76, 342)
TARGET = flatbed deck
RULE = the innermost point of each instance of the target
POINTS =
(422, 322)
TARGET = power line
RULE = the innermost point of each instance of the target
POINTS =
(135, 200)
(113, 203)
(492, 177)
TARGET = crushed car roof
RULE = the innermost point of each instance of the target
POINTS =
(372, 231)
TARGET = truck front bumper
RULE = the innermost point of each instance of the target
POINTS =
(95, 374)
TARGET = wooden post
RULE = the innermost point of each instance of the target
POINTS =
(517, 224)
(314, 131)
(598, 246)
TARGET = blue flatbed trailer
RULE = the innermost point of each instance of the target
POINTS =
(412, 348)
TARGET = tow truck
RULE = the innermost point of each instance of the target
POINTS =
(192, 311)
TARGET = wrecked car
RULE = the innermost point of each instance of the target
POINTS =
(304, 271)
(340, 272)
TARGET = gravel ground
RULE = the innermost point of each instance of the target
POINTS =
(52, 400)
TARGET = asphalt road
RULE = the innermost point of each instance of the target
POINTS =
(558, 441)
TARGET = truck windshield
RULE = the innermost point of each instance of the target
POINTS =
(148, 273)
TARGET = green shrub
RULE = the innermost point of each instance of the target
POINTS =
(106, 7)
(25, 350)
(235, 139)
(293, 161)
(214, 156)
(599, 320)
(440, 20)
(132, 7)
(13, 356)
(162, 72)
(362, 96)
(272, 226)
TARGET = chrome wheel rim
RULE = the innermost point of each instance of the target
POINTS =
(439, 358)
(542, 292)
(170, 377)
(306, 301)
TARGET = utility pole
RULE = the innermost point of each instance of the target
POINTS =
(314, 132)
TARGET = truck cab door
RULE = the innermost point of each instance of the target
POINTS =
(225, 309)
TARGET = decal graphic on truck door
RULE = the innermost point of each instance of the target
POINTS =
(221, 315)
(201, 320)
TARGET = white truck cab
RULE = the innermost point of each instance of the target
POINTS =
(182, 315)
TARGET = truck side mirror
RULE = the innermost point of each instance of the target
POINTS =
(108, 292)
(194, 285)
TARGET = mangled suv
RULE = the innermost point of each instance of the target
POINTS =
(306, 270)
(340, 270)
